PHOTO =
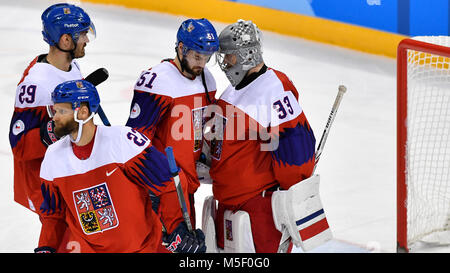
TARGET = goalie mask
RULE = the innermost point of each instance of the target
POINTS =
(239, 50)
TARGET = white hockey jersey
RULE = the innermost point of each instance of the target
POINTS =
(261, 139)
(169, 108)
(33, 93)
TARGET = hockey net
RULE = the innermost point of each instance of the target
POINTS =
(423, 141)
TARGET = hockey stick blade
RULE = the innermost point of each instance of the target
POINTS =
(97, 77)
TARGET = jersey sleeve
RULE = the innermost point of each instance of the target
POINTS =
(24, 131)
(150, 169)
(293, 155)
(32, 97)
(150, 104)
(52, 215)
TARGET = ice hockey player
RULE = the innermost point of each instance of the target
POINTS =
(170, 98)
(67, 29)
(98, 181)
(262, 140)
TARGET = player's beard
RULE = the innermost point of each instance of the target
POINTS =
(62, 129)
(194, 71)
(79, 51)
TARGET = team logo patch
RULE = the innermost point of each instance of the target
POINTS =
(66, 10)
(190, 27)
(79, 84)
(18, 127)
(198, 120)
(95, 209)
(173, 246)
(135, 111)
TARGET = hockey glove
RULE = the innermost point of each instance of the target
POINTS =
(182, 241)
(48, 135)
(44, 249)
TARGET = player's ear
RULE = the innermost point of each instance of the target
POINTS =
(65, 42)
(83, 112)
(180, 49)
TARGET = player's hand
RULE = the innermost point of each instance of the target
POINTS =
(48, 135)
(44, 249)
(182, 241)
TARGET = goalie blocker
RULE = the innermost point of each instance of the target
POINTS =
(297, 212)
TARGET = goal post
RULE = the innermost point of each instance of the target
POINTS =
(423, 140)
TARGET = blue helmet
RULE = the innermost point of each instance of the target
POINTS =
(76, 92)
(62, 19)
(198, 35)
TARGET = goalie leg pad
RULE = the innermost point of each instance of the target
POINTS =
(208, 226)
(238, 236)
(300, 211)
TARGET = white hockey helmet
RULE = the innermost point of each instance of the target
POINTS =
(244, 40)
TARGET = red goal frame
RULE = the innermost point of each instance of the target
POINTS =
(402, 87)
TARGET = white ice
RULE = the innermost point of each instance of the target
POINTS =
(357, 167)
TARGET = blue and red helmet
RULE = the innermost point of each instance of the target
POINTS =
(63, 18)
(76, 92)
(198, 35)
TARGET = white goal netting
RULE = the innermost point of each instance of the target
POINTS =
(428, 145)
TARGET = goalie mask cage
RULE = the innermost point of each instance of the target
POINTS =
(423, 141)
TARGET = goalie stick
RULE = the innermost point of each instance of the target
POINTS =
(97, 77)
(285, 237)
(342, 89)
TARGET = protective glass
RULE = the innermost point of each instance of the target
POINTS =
(92, 33)
(197, 57)
(61, 111)
(89, 35)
